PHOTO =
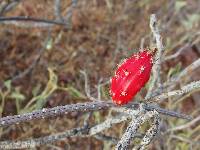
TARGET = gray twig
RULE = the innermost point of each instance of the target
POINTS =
(185, 89)
(107, 124)
(151, 132)
(6, 6)
(57, 11)
(133, 127)
(31, 143)
(156, 68)
(184, 126)
(171, 113)
(83, 107)
(176, 79)
(177, 53)
(35, 62)
(55, 111)
(186, 71)
(87, 87)
(22, 21)
(106, 138)
(130, 113)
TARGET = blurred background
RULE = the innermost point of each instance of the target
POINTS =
(40, 62)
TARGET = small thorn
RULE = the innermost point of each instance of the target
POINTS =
(148, 52)
(126, 72)
(119, 102)
(137, 56)
(122, 62)
(123, 93)
(142, 69)
(44, 110)
(141, 50)
(153, 51)
(151, 60)
(110, 92)
(116, 76)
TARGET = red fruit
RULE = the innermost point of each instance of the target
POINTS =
(131, 76)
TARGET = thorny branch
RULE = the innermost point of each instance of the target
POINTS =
(31, 143)
(156, 80)
(134, 111)
(84, 131)
(133, 127)
(81, 107)
(157, 66)
(176, 79)
(108, 124)
(152, 131)
(55, 111)
(185, 89)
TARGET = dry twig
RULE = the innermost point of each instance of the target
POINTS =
(133, 127)
(28, 22)
(156, 68)
(185, 89)
(184, 126)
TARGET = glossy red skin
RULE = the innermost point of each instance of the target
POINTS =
(130, 77)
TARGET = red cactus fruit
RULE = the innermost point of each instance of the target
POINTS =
(131, 76)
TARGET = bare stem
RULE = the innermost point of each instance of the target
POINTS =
(31, 143)
(55, 111)
(185, 126)
(132, 129)
(31, 22)
(156, 68)
(176, 79)
(82, 107)
(185, 89)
